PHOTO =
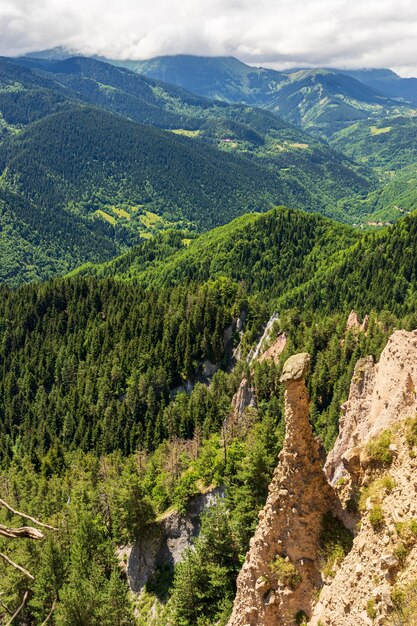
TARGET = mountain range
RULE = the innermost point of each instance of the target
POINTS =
(95, 156)
(108, 152)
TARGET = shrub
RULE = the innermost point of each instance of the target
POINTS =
(371, 609)
(301, 618)
(375, 491)
(378, 449)
(376, 517)
(387, 483)
(285, 572)
(400, 552)
(407, 531)
(335, 543)
(404, 599)
(411, 433)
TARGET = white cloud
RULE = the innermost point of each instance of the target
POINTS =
(277, 33)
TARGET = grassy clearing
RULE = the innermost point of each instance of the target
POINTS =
(105, 216)
(380, 131)
(186, 133)
(150, 220)
(120, 212)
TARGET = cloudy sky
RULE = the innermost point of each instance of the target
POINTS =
(273, 33)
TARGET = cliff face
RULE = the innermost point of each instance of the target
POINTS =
(383, 560)
(380, 395)
(164, 543)
(370, 481)
(281, 571)
(373, 462)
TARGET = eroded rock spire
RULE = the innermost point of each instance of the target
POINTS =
(281, 573)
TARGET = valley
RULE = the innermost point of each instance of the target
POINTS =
(208, 304)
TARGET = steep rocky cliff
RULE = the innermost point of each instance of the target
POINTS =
(370, 482)
(281, 571)
(165, 541)
(373, 467)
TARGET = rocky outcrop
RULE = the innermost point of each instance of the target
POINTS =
(380, 395)
(164, 542)
(274, 352)
(384, 555)
(244, 398)
(266, 335)
(281, 582)
(354, 323)
(281, 574)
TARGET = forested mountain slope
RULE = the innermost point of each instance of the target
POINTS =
(323, 101)
(99, 435)
(237, 129)
(220, 78)
(93, 165)
(268, 253)
(26, 97)
(387, 82)
(37, 245)
(111, 179)
(389, 144)
(295, 259)
(320, 100)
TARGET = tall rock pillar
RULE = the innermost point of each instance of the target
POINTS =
(280, 575)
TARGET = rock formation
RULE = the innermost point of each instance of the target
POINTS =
(380, 395)
(274, 352)
(384, 554)
(164, 542)
(281, 573)
(244, 398)
(354, 323)
(373, 468)
(383, 559)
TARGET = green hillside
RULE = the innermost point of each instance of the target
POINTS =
(267, 253)
(324, 102)
(389, 144)
(319, 100)
(26, 97)
(34, 246)
(290, 258)
(111, 177)
(97, 170)
(387, 82)
(99, 437)
(253, 133)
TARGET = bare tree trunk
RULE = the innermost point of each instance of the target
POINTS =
(23, 531)
(21, 607)
(50, 613)
(17, 533)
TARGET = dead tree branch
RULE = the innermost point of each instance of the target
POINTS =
(50, 613)
(21, 607)
(16, 566)
(29, 517)
(23, 531)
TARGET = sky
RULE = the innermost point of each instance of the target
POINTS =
(271, 33)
